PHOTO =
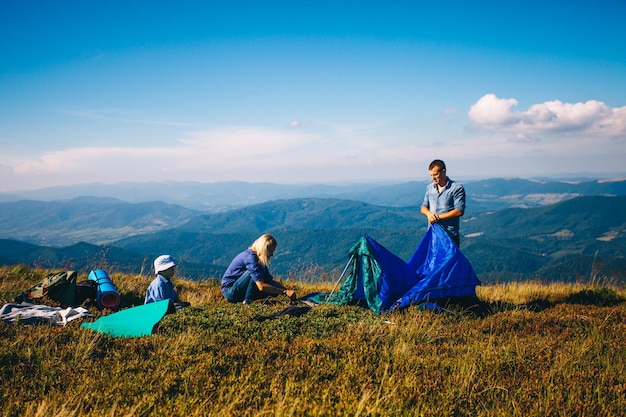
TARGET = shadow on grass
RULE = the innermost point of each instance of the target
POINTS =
(476, 308)
(131, 299)
(602, 297)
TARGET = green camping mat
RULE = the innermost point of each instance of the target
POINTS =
(131, 322)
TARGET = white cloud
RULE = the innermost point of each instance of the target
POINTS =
(250, 153)
(324, 152)
(591, 117)
(244, 143)
(490, 110)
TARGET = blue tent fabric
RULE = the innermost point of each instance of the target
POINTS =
(442, 269)
(437, 269)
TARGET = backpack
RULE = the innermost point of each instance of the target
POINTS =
(60, 287)
(86, 290)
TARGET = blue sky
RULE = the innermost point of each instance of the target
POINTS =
(301, 92)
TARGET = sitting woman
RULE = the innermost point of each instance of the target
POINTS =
(248, 277)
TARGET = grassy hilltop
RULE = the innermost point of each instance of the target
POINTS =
(524, 349)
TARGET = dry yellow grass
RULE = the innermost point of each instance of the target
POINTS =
(534, 350)
(527, 291)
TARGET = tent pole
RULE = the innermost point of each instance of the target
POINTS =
(341, 276)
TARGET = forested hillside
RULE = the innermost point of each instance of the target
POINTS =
(577, 238)
(559, 241)
(90, 219)
(554, 242)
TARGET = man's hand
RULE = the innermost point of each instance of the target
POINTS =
(432, 218)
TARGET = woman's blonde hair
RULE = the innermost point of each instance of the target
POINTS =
(264, 248)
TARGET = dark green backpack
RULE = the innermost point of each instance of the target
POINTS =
(60, 287)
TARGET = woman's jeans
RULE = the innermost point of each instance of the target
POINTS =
(244, 289)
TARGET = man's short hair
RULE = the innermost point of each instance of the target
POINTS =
(437, 163)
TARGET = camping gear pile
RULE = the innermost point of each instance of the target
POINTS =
(62, 288)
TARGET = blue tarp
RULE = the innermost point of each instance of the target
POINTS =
(437, 269)
(442, 269)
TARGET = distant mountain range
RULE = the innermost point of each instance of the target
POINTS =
(483, 195)
(581, 234)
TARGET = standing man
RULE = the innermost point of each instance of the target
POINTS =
(444, 202)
